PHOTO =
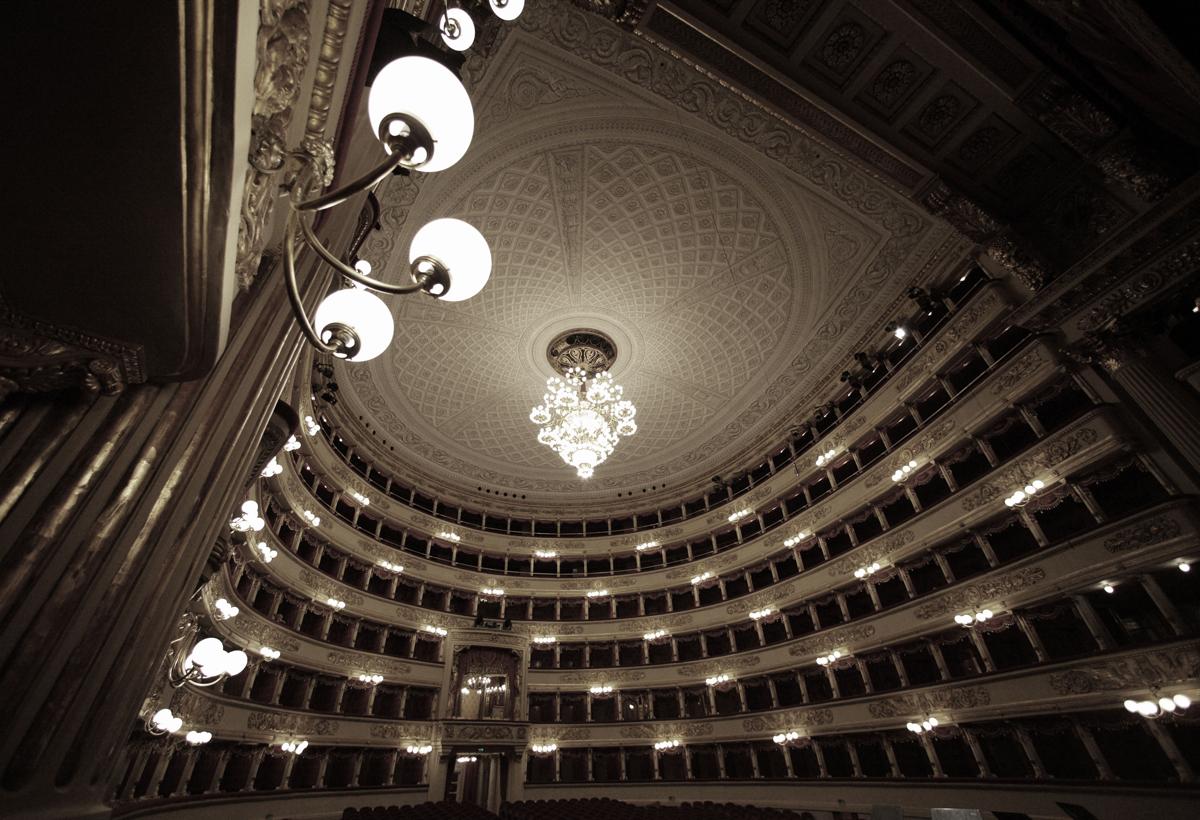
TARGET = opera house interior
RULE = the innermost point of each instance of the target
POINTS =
(602, 410)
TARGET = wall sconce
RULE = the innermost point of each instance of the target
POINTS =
(896, 329)
(418, 750)
(1163, 706)
(360, 498)
(1022, 497)
(311, 518)
(225, 610)
(205, 664)
(833, 657)
(667, 745)
(543, 749)
(969, 619)
(335, 603)
(268, 653)
(163, 722)
(466, 759)
(796, 539)
(791, 739)
(826, 456)
(544, 640)
(545, 554)
(647, 545)
(450, 536)
(265, 553)
(371, 679)
(870, 569)
(390, 567)
(249, 520)
(759, 614)
(658, 636)
(310, 426)
(198, 738)
(273, 468)
(291, 445)
(491, 592)
(294, 747)
(697, 580)
(597, 594)
(904, 471)
(734, 517)
(434, 630)
(600, 689)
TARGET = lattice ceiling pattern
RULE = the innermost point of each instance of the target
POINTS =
(709, 268)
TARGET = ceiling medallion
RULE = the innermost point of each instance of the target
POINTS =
(582, 414)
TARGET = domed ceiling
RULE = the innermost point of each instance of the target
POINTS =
(732, 279)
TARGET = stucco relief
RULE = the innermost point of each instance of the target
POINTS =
(977, 594)
(949, 697)
(291, 724)
(658, 731)
(703, 669)
(790, 719)
(835, 639)
(1155, 668)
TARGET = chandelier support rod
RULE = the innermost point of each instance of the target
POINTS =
(420, 278)
(293, 291)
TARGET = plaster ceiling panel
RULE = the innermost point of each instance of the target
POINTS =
(731, 262)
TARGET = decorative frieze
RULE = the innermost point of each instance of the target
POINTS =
(642, 625)
(1144, 534)
(987, 591)
(292, 724)
(1001, 482)
(1145, 669)
(681, 729)
(402, 731)
(833, 639)
(790, 719)
(758, 600)
(703, 669)
(945, 698)
(368, 664)
(604, 676)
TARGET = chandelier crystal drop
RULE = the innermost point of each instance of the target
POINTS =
(582, 416)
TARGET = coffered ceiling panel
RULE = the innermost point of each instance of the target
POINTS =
(734, 260)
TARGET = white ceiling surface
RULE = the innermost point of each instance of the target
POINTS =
(606, 206)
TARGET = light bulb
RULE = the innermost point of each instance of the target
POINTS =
(507, 9)
(428, 92)
(1109, 588)
(457, 20)
(1184, 566)
(1166, 704)
(363, 267)
(235, 662)
(207, 653)
(361, 311)
(1131, 706)
(461, 249)
(1182, 701)
(1147, 708)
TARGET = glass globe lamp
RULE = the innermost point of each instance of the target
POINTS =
(360, 312)
(458, 29)
(462, 253)
(507, 9)
(425, 91)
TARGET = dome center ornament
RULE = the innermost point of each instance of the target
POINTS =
(589, 350)
(583, 414)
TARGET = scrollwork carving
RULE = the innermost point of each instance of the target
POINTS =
(949, 697)
(987, 591)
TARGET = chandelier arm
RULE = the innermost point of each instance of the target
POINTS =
(367, 180)
(293, 291)
(311, 239)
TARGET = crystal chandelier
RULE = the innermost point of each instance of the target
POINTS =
(582, 414)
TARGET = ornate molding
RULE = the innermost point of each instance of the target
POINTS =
(604, 676)
(1151, 669)
(833, 640)
(991, 590)
(369, 664)
(1144, 534)
(948, 697)
(290, 724)
(703, 669)
(40, 357)
(665, 730)
(402, 731)
(790, 719)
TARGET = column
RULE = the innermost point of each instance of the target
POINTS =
(893, 766)
(185, 773)
(820, 755)
(357, 770)
(855, 765)
(901, 672)
(1093, 750)
(252, 772)
(1171, 409)
(214, 781)
(1171, 750)
(136, 766)
(1164, 604)
(866, 675)
(621, 764)
(927, 745)
(982, 648)
(741, 690)
(654, 774)
(972, 742)
(1031, 752)
(1031, 635)
(939, 659)
(288, 763)
(160, 768)
(720, 762)
(1092, 621)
